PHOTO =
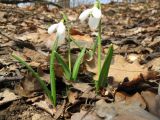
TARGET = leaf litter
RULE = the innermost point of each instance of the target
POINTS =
(133, 29)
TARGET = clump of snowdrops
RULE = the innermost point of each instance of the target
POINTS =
(94, 16)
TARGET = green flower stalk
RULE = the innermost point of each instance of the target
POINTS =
(94, 22)
(52, 73)
(98, 5)
(68, 40)
(60, 36)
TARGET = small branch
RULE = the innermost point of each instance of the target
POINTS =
(7, 79)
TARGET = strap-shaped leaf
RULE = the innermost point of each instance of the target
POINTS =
(102, 82)
(65, 17)
(77, 64)
(64, 66)
(52, 72)
(42, 83)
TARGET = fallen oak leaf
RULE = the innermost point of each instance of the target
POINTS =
(120, 69)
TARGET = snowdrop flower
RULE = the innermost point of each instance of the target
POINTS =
(94, 14)
(60, 30)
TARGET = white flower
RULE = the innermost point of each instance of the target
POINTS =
(60, 30)
(94, 15)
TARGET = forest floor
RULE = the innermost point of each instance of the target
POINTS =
(134, 76)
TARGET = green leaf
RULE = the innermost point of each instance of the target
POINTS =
(52, 73)
(64, 66)
(42, 83)
(94, 47)
(102, 82)
(65, 17)
(77, 64)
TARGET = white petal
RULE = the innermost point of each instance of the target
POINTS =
(93, 22)
(84, 15)
(61, 37)
(61, 31)
(96, 12)
(52, 28)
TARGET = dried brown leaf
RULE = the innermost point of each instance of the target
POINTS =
(7, 96)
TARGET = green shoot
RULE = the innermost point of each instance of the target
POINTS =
(105, 69)
(66, 70)
(77, 64)
(51, 94)
(102, 72)
(99, 49)
(68, 40)
(52, 73)
(98, 4)
(71, 75)
(42, 83)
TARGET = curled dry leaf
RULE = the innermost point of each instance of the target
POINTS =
(60, 111)
(73, 96)
(7, 96)
(156, 42)
(154, 64)
(45, 106)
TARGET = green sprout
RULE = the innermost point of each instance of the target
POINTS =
(94, 14)
(104, 70)
(71, 72)
(51, 94)
(71, 75)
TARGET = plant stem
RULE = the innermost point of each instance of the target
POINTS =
(65, 19)
(52, 73)
(69, 50)
(99, 53)
(99, 49)
(98, 4)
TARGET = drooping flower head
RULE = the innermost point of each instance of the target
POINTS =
(60, 30)
(94, 14)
